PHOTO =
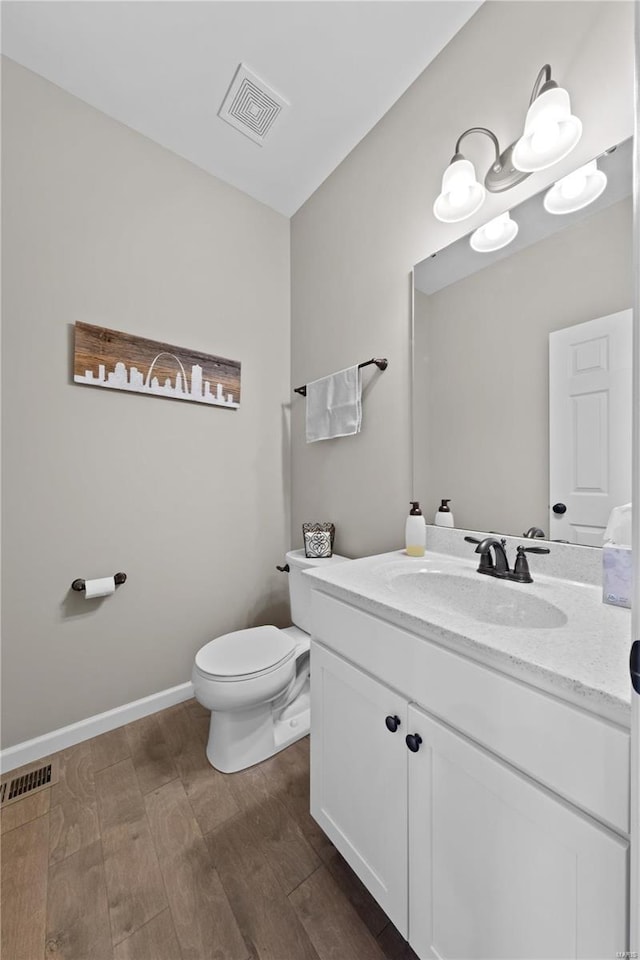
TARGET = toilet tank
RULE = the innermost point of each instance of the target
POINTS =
(300, 587)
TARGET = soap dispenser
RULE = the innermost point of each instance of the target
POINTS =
(444, 517)
(415, 531)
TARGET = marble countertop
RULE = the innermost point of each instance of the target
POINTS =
(583, 660)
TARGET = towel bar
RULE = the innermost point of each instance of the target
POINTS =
(381, 364)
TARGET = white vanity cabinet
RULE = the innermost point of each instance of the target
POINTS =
(469, 855)
(359, 776)
(500, 868)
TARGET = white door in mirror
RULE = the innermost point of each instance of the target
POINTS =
(590, 433)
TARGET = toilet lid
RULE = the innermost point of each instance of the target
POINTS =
(245, 652)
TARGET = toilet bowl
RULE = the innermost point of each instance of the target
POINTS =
(255, 682)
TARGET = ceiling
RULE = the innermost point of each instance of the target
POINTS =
(163, 69)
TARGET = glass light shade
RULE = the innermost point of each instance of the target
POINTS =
(461, 194)
(550, 132)
(494, 235)
(576, 190)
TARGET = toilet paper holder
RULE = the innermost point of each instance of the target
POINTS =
(118, 578)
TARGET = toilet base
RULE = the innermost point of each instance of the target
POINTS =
(240, 739)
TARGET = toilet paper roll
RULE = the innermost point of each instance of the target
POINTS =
(102, 587)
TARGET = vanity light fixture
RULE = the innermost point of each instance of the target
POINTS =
(550, 133)
(576, 190)
(494, 235)
(550, 129)
(461, 194)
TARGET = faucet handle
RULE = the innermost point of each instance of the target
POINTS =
(472, 540)
(521, 572)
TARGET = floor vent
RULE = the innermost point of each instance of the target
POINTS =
(26, 783)
(251, 106)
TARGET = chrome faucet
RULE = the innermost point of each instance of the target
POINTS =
(500, 562)
(534, 532)
(500, 568)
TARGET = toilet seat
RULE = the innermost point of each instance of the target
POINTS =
(245, 654)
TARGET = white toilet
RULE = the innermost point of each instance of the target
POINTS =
(256, 681)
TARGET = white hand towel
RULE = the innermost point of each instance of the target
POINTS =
(334, 405)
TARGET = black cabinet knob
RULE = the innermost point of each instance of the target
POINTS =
(392, 723)
(413, 741)
(559, 508)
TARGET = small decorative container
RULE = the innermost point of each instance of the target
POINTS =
(318, 539)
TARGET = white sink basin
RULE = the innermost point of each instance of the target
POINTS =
(479, 597)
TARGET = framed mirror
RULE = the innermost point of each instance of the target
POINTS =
(522, 366)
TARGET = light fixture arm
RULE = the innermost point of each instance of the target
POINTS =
(501, 174)
(543, 83)
(457, 156)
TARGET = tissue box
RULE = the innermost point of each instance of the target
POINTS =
(617, 576)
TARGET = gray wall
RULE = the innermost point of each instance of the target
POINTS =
(101, 225)
(481, 367)
(354, 242)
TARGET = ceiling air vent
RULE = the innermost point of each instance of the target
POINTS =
(251, 106)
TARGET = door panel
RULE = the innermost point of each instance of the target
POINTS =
(498, 867)
(589, 425)
(359, 776)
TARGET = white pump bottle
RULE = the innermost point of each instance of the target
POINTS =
(415, 531)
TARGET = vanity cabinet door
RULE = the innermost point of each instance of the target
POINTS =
(500, 868)
(359, 776)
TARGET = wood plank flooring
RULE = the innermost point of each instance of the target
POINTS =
(142, 851)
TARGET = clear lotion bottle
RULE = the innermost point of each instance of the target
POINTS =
(415, 531)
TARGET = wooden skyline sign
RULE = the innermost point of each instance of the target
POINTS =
(121, 361)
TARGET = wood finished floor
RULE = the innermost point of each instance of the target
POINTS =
(142, 851)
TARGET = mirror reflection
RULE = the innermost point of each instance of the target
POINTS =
(522, 363)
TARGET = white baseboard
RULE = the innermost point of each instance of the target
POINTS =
(48, 743)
